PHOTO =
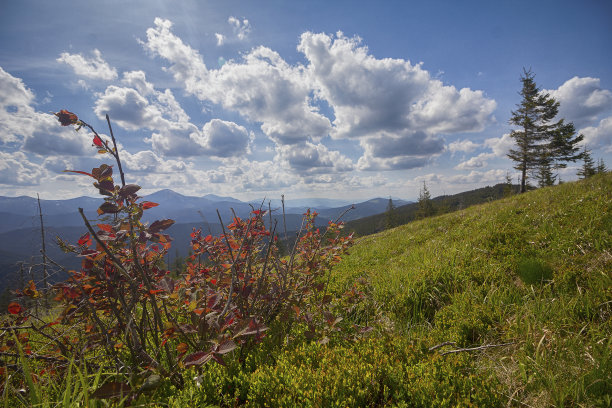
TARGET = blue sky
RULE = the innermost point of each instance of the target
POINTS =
(343, 99)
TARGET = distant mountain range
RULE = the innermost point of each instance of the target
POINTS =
(20, 234)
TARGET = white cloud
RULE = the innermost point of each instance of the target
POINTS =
(15, 100)
(38, 132)
(466, 146)
(187, 65)
(599, 137)
(263, 88)
(241, 28)
(143, 107)
(309, 158)
(94, 68)
(222, 139)
(372, 95)
(475, 162)
(582, 100)
(16, 169)
(148, 161)
(397, 109)
(220, 39)
(138, 81)
(493, 176)
(128, 108)
(500, 145)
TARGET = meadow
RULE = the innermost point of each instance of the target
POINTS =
(501, 304)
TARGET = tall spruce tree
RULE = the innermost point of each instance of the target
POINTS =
(541, 144)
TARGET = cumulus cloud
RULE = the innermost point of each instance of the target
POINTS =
(399, 151)
(141, 106)
(310, 158)
(222, 139)
(396, 109)
(138, 81)
(94, 68)
(599, 137)
(16, 169)
(372, 95)
(582, 99)
(466, 146)
(500, 145)
(475, 162)
(263, 87)
(493, 176)
(148, 161)
(37, 132)
(15, 100)
(127, 107)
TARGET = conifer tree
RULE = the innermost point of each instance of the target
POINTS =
(544, 173)
(541, 144)
(588, 166)
(601, 166)
(390, 215)
(425, 205)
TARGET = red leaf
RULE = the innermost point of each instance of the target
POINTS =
(105, 227)
(199, 358)
(148, 204)
(112, 389)
(97, 141)
(84, 240)
(14, 308)
(79, 172)
(160, 226)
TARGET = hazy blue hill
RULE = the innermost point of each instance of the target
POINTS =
(365, 209)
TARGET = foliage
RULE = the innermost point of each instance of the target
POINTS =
(588, 166)
(426, 208)
(540, 143)
(123, 313)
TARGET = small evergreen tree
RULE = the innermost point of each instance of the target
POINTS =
(544, 173)
(425, 205)
(588, 166)
(508, 185)
(390, 215)
(601, 167)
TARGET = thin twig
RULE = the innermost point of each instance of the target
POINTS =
(103, 245)
(115, 152)
(486, 346)
(446, 343)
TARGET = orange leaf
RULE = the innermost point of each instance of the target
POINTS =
(148, 204)
(182, 348)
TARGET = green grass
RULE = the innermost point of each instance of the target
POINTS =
(533, 270)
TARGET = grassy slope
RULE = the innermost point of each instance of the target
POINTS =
(457, 278)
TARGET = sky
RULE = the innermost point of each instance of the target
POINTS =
(345, 99)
